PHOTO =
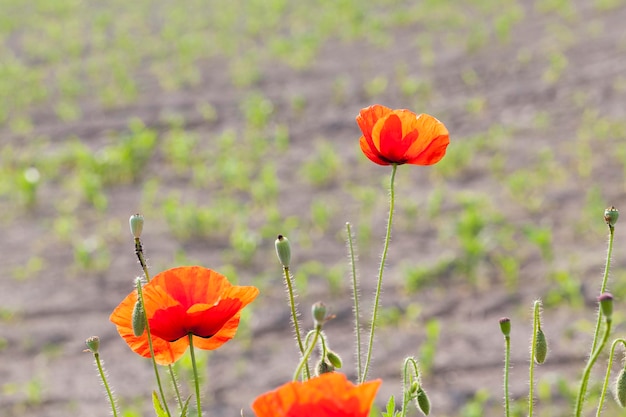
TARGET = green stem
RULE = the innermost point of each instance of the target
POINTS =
(595, 351)
(587, 371)
(195, 374)
(307, 353)
(533, 347)
(176, 388)
(142, 259)
(150, 344)
(507, 361)
(96, 356)
(605, 387)
(407, 381)
(605, 279)
(383, 258)
(294, 316)
(355, 296)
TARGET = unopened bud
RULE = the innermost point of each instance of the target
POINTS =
(319, 313)
(413, 390)
(138, 317)
(541, 347)
(283, 250)
(334, 359)
(422, 401)
(505, 326)
(136, 225)
(324, 367)
(611, 215)
(620, 388)
(606, 304)
(93, 343)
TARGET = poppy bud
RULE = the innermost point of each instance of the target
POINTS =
(138, 319)
(620, 388)
(334, 359)
(541, 347)
(413, 390)
(136, 225)
(422, 401)
(93, 343)
(283, 250)
(319, 313)
(324, 367)
(606, 304)
(611, 215)
(505, 326)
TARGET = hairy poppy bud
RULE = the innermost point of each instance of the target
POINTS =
(323, 367)
(319, 313)
(93, 343)
(505, 326)
(541, 347)
(136, 225)
(422, 401)
(283, 250)
(611, 215)
(413, 390)
(138, 319)
(620, 388)
(606, 304)
(334, 359)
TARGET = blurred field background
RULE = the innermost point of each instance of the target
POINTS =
(226, 123)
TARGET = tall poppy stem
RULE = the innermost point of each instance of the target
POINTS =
(585, 378)
(154, 364)
(294, 317)
(379, 285)
(103, 377)
(355, 295)
(531, 368)
(195, 374)
(605, 387)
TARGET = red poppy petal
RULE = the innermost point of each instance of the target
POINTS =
(431, 144)
(329, 395)
(190, 285)
(368, 117)
(227, 332)
(388, 138)
(371, 153)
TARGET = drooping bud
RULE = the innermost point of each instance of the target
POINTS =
(334, 359)
(136, 225)
(541, 347)
(324, 367)
(422, 401)
(283, 250)
(606, 304)
(620, 388)
(505, 326)
(319, 313)
(93, 344)
(611, 215)
(413, 389)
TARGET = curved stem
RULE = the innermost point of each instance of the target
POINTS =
(307, 352)
(294, 316)
(587, 371)
(355, 296)
(383, 258)
(96, 356)
(605, 387)
(150, 344)
(407, 381)
(195, 374)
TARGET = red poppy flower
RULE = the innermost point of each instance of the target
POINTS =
(401, 136)
(329, 395)
(182, 301)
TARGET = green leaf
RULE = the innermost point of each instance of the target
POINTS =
(183, 412)
(391, 408)
(158, 408)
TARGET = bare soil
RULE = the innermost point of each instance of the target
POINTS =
(45, 374)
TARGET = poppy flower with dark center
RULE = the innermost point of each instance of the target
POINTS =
(401, 136)
(329, 395)
(183, 301)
